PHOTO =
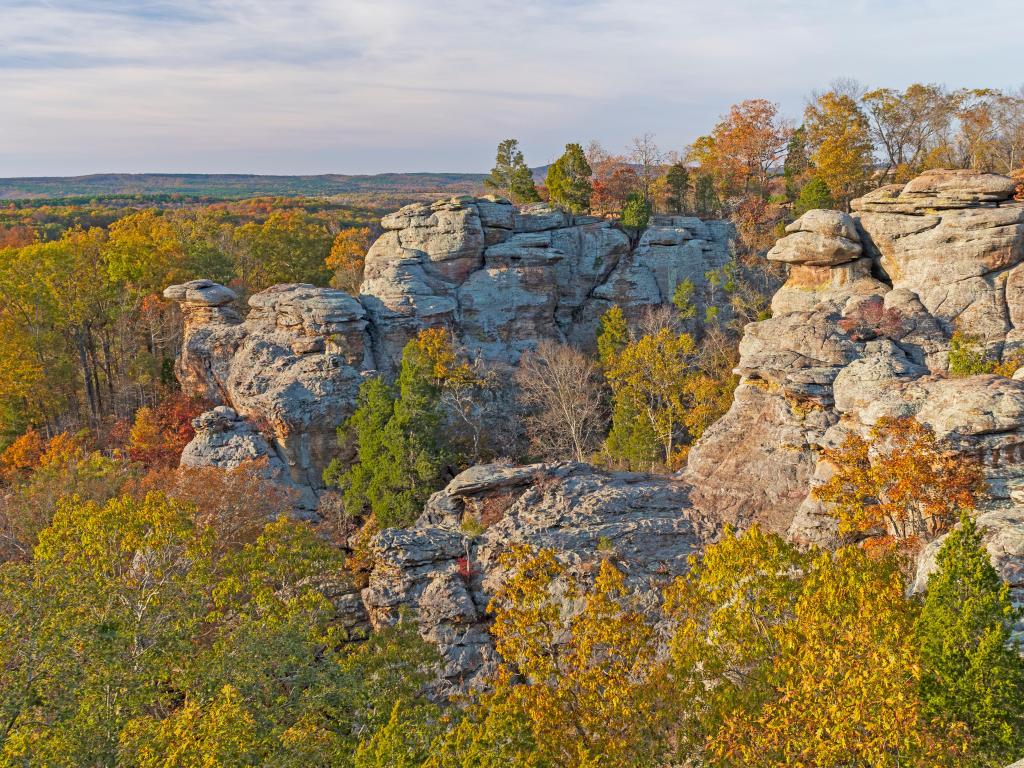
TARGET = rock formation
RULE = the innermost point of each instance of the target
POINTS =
(860, 330)
(446, 575)
(500, 278)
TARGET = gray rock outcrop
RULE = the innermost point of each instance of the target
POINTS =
(446, 573)
(861, 330)
(501, 279)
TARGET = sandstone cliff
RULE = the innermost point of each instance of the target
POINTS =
(500, 278)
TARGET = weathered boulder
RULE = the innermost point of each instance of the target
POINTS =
(446, 573)
(819, 238)
(291, 370)
(861, 330)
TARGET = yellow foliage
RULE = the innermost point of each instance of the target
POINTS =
(592, 686)
(348, 252)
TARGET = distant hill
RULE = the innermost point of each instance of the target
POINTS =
(235, 185)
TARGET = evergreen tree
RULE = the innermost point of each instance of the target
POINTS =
(612, 335)
(971, 671)
(678, 180)
(568, 180)
(705, 197)
(813, 194)
(637, 211)
(401, 457)
(511, 176)
(797, 163)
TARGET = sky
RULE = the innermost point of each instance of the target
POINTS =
(368, 86)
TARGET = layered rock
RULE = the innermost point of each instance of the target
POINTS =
(503, 279)
(446, 574)
(290, 370)
(861, 330)
(500, 278)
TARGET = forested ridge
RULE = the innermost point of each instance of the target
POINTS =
(153, 614)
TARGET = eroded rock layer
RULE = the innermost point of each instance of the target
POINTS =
(861, 330)
(500, 278)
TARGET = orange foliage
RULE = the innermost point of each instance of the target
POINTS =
(21, 456)
(901, 481)
(159, 434)
(346, 258)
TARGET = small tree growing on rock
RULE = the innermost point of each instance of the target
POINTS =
(568, 180)
(511, 176)
(901, 481)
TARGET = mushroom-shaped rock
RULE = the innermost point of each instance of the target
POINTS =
(819, 238)
(200, 293)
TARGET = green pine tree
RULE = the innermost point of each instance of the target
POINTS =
(971, 671)
(511, 176)
(814, 194)
(637, 211)
(568, 180)
(401, 456)
(678, 179)
(631, 439)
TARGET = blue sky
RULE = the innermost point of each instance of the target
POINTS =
(365, 86)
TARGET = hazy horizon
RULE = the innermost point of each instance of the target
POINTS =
(313, 87)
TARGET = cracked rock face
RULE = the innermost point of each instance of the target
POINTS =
(499, 278)
(861, 330)
(504, 279)
(289, 373)
(447, 576)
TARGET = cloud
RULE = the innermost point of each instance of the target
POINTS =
(316, 86)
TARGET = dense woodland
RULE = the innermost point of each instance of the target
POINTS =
(157, 616)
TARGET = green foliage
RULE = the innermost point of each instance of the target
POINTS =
(134, 637)
(632, 438)
(968, 357)
(612, 335)
(813, 194)
(401, 456)
(511, 176)
(705, 196)
(682, 299)
(404, 742)
(637, 211)
(797, 163)
(568, 180)
(972, 672)
(678, 180)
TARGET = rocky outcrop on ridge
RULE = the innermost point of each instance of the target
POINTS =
(446, 574)
(861, 330)
(500, 278)
(503, 278)
(288, 374)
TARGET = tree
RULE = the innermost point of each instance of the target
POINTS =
(401, 456)
(568, 180)
(290, 246)
(346, 258)
(972, 672)
(910, 127)
(678, 180)
(647, 380)
(511, 176)
(840, 679)
(646, 155)
(901, 481)
(839, 135)
(594, 676)
(814, 194)
(131, 638)
(797, 162)
(748, 143)
(637, 211)
(560, 388)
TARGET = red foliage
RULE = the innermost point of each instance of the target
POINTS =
(464, 568)
(871, 320)
(159, 434)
